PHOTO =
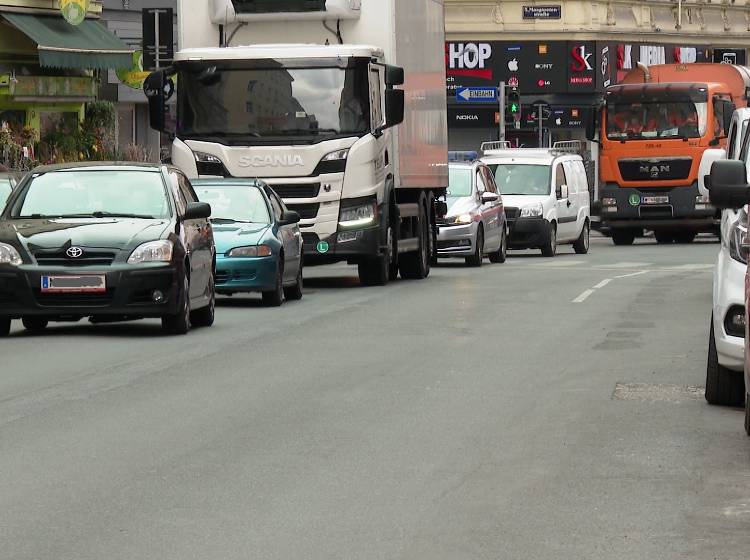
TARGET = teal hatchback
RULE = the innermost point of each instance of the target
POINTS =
(258, 242)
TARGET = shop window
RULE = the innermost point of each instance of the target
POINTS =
(52, 122)
(15, 119)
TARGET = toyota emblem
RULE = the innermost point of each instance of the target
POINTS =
(74, 252)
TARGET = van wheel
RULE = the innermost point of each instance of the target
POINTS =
(549, 249)
(623, 237)
(581, 246)
(502, 253)
(723, 386)
(478, 256)
(664, 237)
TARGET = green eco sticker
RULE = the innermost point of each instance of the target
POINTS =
(74, 11)
(323, 246)
(634, 199)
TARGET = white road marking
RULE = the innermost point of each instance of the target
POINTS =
(583, 297)
(559, 263)
(689, 267)
(625, 265)
(602, 283)
(633, 274)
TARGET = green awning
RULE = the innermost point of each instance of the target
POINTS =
(62, 45)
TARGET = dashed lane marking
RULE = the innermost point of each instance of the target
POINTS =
(688, 267)
(559, 263)
(639, 273)
(602, 283)
(583, 297)
(624, 265)
(647, 392)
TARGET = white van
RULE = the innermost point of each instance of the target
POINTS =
(546, 195)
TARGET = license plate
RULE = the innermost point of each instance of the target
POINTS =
(655, 200)
(75, 284)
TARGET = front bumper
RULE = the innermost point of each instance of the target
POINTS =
(128, 293)
(680, 212)
(347, 245)
(246, 274)
(456, 241)
(527, 233)
(729, 292)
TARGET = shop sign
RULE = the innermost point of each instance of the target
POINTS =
(74, 11)
(581, 74)
(134, 76)
(471, 117)
(730, 56)
(53, 86)
(542, 12)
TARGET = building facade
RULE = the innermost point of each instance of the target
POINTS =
(561, 56)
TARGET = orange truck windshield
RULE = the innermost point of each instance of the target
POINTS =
(644, 120)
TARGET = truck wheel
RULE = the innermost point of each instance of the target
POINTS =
(623, 237)
(664, 237)
(377, 271)
(478, 257)
(416, 265)
(34, 324)
(502, 252)
(723, 386)
(549, 249)
(581, 246)
(4, 326)
(684, 237)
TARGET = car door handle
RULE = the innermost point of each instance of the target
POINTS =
(569, 203)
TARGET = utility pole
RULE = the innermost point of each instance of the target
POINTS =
(501, 99)
(540, 122)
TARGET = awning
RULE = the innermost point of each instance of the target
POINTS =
(62, 45)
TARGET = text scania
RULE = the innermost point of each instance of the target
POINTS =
(271, 161)
(468, 55)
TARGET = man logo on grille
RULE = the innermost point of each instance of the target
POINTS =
(74, 252)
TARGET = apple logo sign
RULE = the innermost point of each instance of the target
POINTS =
(558, 121)
(513, 65)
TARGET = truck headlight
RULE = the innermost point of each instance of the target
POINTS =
(738, 241)
(9, 255)
(153, 251)
(250, 251)
(336, 155)
(532, 210)
(362, 214)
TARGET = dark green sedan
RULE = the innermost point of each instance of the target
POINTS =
(258, 241)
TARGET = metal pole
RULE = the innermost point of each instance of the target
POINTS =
(157, 61)
(501, 120)
(540, 121)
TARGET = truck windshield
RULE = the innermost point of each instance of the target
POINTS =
(641, 121)
(272, 102)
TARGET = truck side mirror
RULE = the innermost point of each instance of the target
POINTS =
(394, 107)
(729, 188)
(158, 89)
(394, 76)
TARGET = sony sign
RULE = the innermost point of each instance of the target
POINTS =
(283, 160)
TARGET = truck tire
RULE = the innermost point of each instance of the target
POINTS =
(664, 237)
(684, 237)
(416, 265)
(4, 326)
(581, 245)
(623, 237)
(723, 386)
(378, 271)
(478, 257)
(34, 324)
(549, 249)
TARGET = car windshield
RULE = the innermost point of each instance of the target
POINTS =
(233, 203)
(93, 193)
(459, 182)
(5, 188)
(273, 101)
(522, 179)
(643, 120)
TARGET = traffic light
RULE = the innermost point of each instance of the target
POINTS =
(513, 104)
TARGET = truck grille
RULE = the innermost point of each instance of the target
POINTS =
(305, 211)
(304, 190)
(667, 169)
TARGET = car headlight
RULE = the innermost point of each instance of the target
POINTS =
(153, 251)
(362, 215)
(336, 155)
(250, 251)
(532, 211)
(461, 219)
(9, 255)
(738, 241)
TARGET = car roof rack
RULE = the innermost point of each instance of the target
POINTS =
(496, 145)
(570, 147)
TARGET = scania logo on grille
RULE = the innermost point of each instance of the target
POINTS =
(654, 171)
(74, 252)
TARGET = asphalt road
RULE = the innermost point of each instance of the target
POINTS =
(529, 410)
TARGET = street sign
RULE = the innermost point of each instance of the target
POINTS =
(158, 38)
(476, 95)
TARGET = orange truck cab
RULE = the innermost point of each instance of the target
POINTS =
(660, 131)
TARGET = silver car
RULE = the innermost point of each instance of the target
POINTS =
(475, 223)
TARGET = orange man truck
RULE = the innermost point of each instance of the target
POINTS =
(660, 131)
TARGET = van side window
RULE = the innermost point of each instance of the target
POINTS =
(560, 180)
(572, 173)
(732, 140)
(489, 181)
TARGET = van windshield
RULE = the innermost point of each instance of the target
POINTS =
(512, 178)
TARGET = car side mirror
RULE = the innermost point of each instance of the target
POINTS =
(729, 188)
(289, 217)
(197, 211)
(489, 197)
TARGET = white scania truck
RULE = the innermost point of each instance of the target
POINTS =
(340, 105)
